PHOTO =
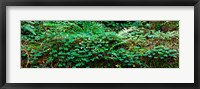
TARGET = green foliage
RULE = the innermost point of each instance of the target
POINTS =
(161, 56)
(98, 44)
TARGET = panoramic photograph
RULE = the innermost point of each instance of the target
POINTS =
(99, 44)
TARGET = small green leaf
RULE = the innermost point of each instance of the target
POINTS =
(160, 53)
(60, 65)
(126, 61)
(24, 54)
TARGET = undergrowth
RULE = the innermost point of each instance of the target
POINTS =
(99, 44)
